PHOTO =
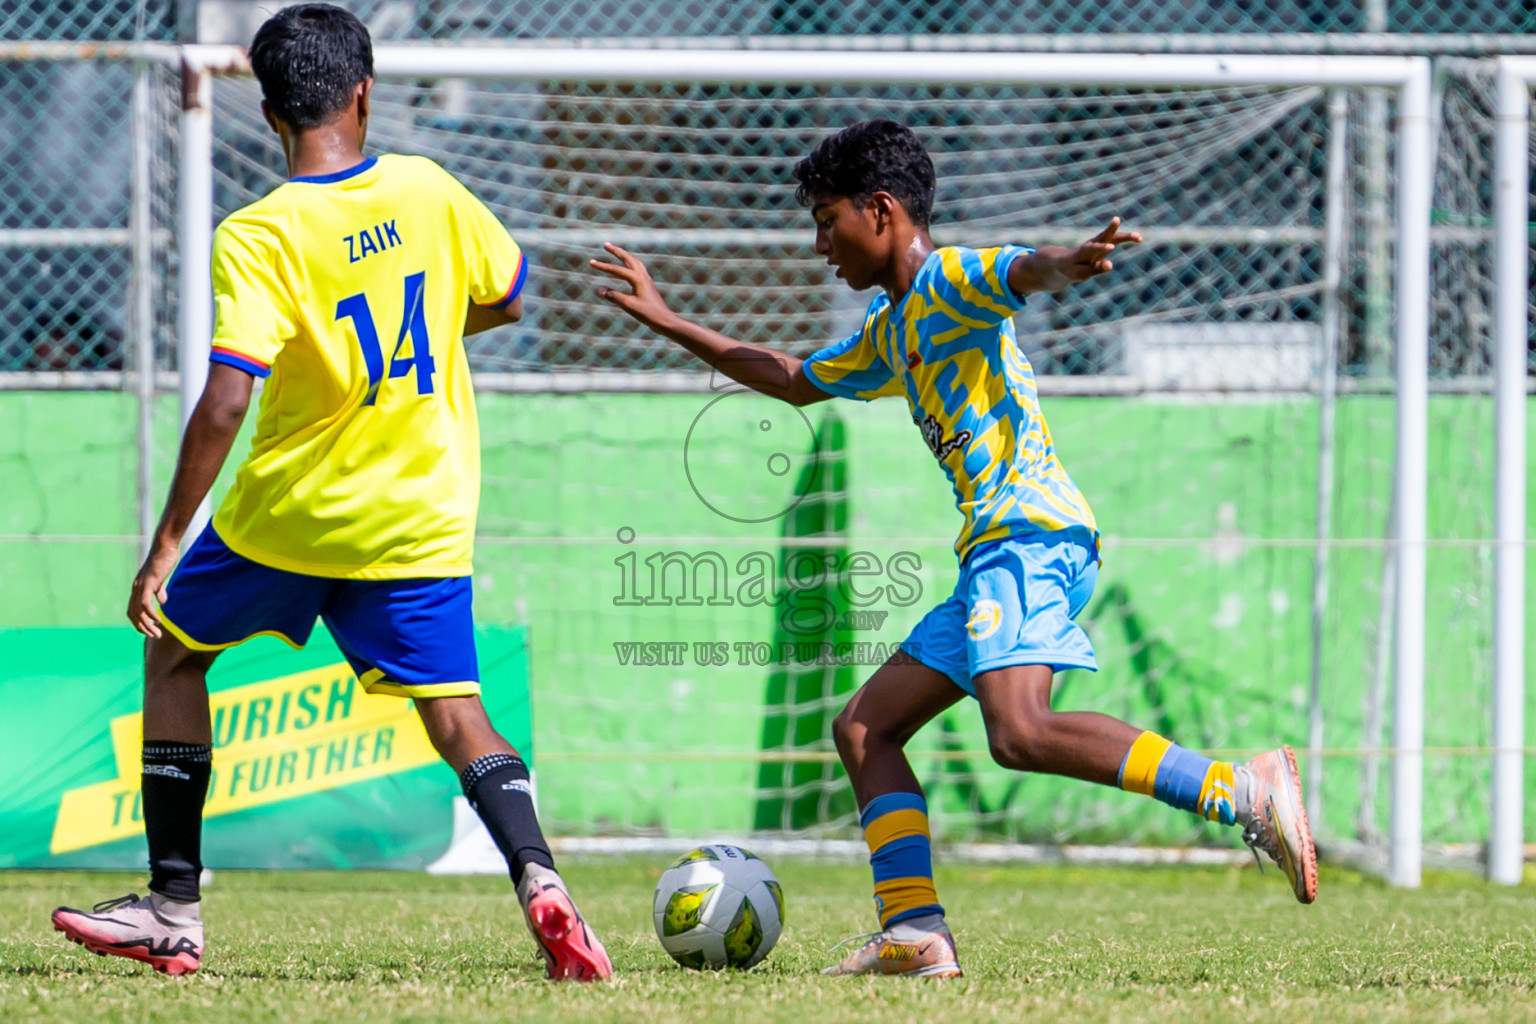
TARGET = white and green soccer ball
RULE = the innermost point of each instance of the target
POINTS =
(718, 906)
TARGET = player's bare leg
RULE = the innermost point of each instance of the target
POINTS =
(871, 732)
(1027, 735)
(460, 730)
(496, 783)
(164, 928)
(176, 691)
(1264, 796)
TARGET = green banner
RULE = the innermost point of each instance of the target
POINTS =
(308, 770)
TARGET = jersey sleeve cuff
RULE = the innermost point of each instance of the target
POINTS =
(1004, 265)
(516, 288)
(841, 389)
(814, 376)
(240, 361)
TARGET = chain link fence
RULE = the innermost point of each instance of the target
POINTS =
(698, 178)
(1226, 185)
(559, 19)
(95, 20)
(76, 157)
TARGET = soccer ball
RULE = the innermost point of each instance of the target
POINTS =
(717, 907)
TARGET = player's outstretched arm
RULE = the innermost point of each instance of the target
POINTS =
(1053, 267)
(204, 447)
(774, 373)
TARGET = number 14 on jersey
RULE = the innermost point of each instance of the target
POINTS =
(413, 325)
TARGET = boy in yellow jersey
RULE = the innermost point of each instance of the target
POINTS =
(349, 288)
(940, 334)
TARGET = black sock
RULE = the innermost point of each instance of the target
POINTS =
(175, 786)
(497, 788)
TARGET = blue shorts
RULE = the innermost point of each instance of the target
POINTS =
(1014, 605)
(407, 638)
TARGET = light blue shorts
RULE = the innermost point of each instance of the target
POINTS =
(1014, 605)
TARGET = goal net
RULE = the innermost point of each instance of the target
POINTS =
(707, 574)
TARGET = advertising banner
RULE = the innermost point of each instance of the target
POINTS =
(309, 771)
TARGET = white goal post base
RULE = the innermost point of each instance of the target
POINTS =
(484, 859)
(471, 851)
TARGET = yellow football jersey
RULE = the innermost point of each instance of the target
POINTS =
(949, 347)
(350, 289)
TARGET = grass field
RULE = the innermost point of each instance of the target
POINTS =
(1042, 943)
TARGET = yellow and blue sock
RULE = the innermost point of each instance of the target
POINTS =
(896, 829)
(1181, 778)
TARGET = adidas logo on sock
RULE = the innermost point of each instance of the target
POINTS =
(170, 771)
(519, 785)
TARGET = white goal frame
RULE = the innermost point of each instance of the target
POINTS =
(1512, 241)
(1409, 77)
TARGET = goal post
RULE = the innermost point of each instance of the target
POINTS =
(1408, 78)
(1512, 242)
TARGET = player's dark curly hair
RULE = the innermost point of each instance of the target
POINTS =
(869, 157)
(308, 59)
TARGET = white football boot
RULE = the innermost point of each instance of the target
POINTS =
(1276, 821)
(157, 931)
(920, 948)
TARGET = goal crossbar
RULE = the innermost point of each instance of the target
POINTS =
(1408, 77)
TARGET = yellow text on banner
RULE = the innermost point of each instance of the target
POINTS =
(275, 740)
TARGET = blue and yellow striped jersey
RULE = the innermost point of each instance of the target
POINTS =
(950, 347)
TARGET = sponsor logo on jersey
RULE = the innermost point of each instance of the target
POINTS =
(986, 617)
(933, 434)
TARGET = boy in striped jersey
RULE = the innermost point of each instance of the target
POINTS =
(940, 334)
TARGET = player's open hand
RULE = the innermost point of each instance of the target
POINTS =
(1092, 257)
(642, 301)
(149, 588)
